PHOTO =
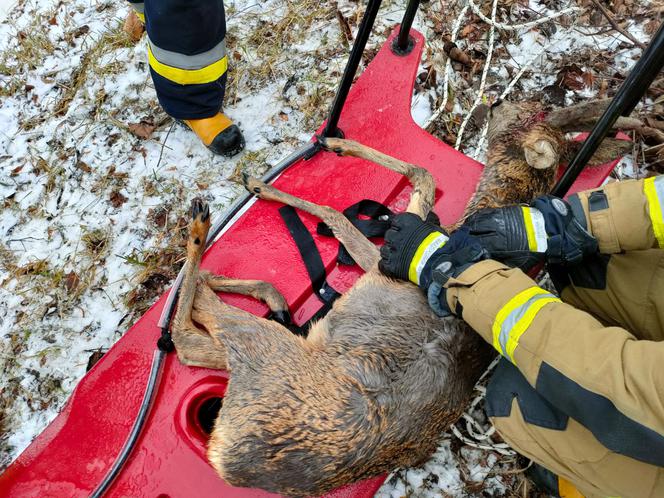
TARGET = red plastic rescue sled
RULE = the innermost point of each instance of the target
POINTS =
(76, 450)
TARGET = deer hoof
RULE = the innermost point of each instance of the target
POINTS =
(323, 142)
(282, 316)
(252, 184)
(200, 210)
(331, 144)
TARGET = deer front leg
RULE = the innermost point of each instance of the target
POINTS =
(424, 186)
(198, 304)
(360, 248)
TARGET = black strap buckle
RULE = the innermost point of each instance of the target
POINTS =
(597, 201)
(375, 223)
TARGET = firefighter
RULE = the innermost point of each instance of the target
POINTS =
(580, 385)
(188, 64)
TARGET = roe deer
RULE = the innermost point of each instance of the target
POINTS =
(371, 388)
(378, 379)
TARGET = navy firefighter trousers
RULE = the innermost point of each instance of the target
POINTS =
(187, 54)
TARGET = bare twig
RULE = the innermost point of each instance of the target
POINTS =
(655, 149)
(161, 152)
(448, 65)
(485, 71)
(615, 25)
(345, 27)
(526, 25)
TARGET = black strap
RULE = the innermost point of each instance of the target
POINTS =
(310, 255)
(375, 224)
(376, 221)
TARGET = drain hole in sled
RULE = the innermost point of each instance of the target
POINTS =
(207, 413)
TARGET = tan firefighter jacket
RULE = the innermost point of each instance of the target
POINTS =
(581, 389)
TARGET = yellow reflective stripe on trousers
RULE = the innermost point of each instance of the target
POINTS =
(535, 229)
(654, 191)
(206, 74)
(433, 242)
(516, 316)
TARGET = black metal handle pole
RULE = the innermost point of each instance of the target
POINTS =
(331, 128)
(633, 88)
(407, 23)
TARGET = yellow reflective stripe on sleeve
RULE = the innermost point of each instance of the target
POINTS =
(206, 74)
(516, 316)
(141, 16)
(508, 308)
(525, 322)
(535, 229)
(433, 242)
(654, 191)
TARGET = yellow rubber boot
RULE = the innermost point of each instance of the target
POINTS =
(567, 490)
(219, 134)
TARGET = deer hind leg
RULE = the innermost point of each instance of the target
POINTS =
(424, 186)
(195, 347)
(258, 289)
(221, 324)
(360, 248)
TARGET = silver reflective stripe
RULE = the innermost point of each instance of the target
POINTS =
(189, 62)
(514, 317)
(539, 229)
(138, 7)
(436, 244)
(659, 188)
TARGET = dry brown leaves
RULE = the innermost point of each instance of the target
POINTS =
(143, 130)
(573, 77)
(83, 166)
(133, 27)
(72, 281)
(117, 199)
(345, 26)
(456, 54)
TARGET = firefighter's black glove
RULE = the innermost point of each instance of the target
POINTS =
(424, 254)
(522, 236)
(513, 235)
(568, 241)
(409, 244)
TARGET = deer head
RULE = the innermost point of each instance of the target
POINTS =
(526, 146)
(542, 136)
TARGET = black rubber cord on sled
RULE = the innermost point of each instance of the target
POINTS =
(148, 397)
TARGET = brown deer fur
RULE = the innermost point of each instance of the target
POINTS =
(378, 379)
(525, 148)
(514, 138)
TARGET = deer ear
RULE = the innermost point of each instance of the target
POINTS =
(610, 150)
(541, 154)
